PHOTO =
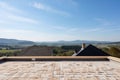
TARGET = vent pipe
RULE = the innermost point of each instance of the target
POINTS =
(83, 46)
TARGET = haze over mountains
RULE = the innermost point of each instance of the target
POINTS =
(4, 41)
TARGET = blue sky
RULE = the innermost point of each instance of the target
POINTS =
(54, 20)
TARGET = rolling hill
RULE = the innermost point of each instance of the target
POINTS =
(4, 41)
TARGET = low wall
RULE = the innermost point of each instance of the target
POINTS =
(56, 58)
(114, 59)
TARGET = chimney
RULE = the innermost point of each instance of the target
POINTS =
(83, 46)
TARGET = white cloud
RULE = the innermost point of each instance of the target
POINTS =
(10, 14)
(14, 31)
(68, 2)
(22, 19)
(59, 28)
(93, 30)
(47, 8)
(8, 7)
(104, 22)
(66, 29)
(12, 18)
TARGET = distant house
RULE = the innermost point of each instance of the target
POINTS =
(90, 50)
(37, 51)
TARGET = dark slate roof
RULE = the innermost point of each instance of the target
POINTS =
(92, 51)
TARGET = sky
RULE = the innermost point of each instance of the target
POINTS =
(54, 20)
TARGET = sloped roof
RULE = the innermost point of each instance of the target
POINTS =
(36, 51)
(92, 51)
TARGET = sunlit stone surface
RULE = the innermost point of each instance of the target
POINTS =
(60, 70)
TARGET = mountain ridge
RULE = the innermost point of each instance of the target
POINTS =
(5, 41)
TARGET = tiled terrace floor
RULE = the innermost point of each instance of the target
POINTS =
(60, 70)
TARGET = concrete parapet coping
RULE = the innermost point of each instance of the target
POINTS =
(54, 58)
(114, 59)
(59, 58)
(1, 58)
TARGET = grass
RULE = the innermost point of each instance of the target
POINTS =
(7, 51)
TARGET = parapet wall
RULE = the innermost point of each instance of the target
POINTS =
(55, 58)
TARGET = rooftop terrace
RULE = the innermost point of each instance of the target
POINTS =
(16, 68)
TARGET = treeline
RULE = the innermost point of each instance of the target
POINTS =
(74, 47)
(66, 50)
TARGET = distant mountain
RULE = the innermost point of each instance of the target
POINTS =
(74, 42)
(4, 41)
(83, 41)
(115, 42)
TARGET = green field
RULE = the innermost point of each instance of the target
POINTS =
(7, 51)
